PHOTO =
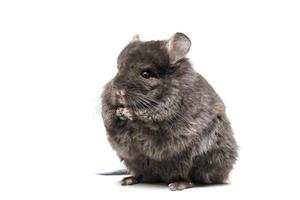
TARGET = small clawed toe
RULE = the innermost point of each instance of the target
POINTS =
(180, 185)
(129, 181)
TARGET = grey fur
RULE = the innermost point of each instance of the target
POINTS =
(171, 126)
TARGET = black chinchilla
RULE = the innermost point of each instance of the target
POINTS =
(164, 120)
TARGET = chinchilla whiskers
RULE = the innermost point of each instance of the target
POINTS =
(176, 113)
(148, 98)
(138, 104)
(141, 101)
(149, 106)
(146, 106)
(141, 104)
(148, 101)
(179, 116)
(133, 103)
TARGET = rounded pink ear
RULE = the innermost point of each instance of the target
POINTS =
(178, 46)
(135, 38)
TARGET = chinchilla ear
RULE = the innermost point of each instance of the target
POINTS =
(178, 46)
(135, 38)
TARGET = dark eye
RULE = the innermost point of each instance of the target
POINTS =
(145, 74)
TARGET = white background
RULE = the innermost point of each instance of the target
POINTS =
(56, 56)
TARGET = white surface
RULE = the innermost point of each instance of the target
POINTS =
(55, 57)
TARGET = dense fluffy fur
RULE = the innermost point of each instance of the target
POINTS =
(170, 126)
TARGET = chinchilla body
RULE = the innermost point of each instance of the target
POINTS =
(164, 120)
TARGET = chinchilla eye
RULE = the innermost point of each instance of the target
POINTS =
(145, 74)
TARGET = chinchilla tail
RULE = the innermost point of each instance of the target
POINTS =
(117, 172)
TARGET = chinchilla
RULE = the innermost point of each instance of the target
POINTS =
(164, 120)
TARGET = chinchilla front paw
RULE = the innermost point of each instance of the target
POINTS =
(124, 113)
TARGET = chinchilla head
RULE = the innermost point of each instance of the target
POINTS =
(149, 74)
